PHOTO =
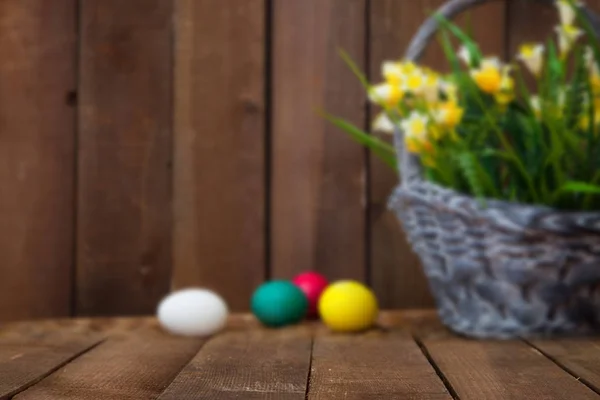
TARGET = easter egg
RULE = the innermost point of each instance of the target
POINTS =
(348, 306)
(312, 284)
(192, 312)
(278, 303)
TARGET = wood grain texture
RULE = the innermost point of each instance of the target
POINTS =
(50, 330)
(22, 365)
(37, 161)
(580, 357)
(219, 183)
(396, 272)
(129, 365)
(318, 181)
(502, 370)
(261, 364)
(124, 241)
(372, 366)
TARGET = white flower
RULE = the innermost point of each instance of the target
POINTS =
(385, 94)
(465, 55)
(585, 101)
(590, 61)
(449, 89)
(536, 105)
(415, 82)
(448, 114)
(567, 36)
(566, 11)
(532, 55)
(392, 72)
(383, 123)
(415, 130)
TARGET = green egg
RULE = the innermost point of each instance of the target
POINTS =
(278, 303)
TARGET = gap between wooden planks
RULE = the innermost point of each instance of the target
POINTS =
(409, 356)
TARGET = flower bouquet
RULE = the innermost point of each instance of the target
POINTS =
(500, 192)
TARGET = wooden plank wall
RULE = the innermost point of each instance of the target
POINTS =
(123, 258)
(149, 145)
(38, 47)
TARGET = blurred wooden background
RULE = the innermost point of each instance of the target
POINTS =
(147, 145)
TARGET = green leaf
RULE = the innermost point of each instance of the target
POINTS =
(462, 36)
(524, 90)
(474, 174)
(354, 68)
(554, 72)
(589, 30)
(449, 52)
(578, 88)
(381, 149)
(575, 187)
(580, 187)
(496, 153)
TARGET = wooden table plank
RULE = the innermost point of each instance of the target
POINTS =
(135, 365)
(138, 360)
(581, 357)
(260, 364)
(375, 365)
(478, 369)
(22, 365)
(47, 331)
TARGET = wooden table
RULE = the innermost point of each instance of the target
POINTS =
(409, 356)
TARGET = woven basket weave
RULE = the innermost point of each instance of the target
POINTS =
(502, 270)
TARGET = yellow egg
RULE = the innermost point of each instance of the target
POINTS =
(348, 306)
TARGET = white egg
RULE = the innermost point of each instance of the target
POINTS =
(192, 312)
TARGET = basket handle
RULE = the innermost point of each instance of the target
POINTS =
(410, 167)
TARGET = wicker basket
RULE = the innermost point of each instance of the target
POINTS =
(502, 270)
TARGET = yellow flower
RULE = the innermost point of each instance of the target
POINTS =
(507, 89)
(448, 114)
(584, 122)
(584, 118)
(415, 132)
(595, 84)
(383, 123)
(532, 55)
(566, 11)
(431, 88)
(408, 67)
(435, 131)
(392, 72)
(386, 95)
(504, 98)
(415, 82)
(567, 36)
(488, 76)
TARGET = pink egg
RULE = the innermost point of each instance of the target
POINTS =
(312, 284)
